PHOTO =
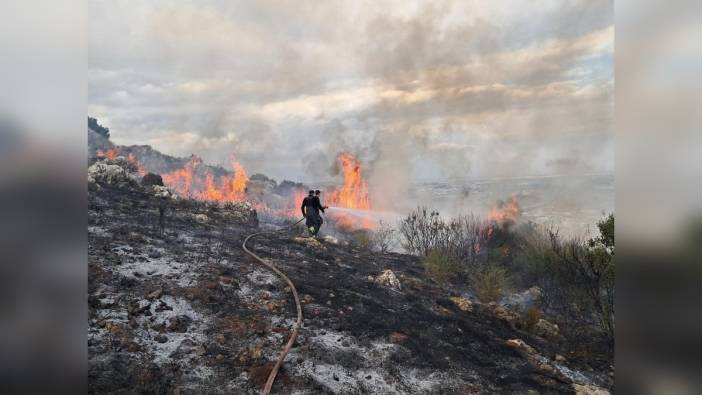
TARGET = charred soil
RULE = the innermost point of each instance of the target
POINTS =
(177, 307)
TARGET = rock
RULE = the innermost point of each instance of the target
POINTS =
(155, 294)
(462, 303)
(152, 179)
(545, 328)
(161, 338)
(309, 242)
(536, 360)
(330, 239)
(388, 279)
(505, 314)
(107, 173)
(559, 358)
(163, 192)
(589, 390)
(241, 212)
(201, 218)
(179, 324)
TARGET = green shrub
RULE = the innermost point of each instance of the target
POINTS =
(489, 283)
(440, 266)
(363, 240)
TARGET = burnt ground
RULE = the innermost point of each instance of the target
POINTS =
(182, 309)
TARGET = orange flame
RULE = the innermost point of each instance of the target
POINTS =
(110, 154)
(187, 182)
(135, 162)
(354, 192)
(505, 211)
(181, 180)
(230, 189)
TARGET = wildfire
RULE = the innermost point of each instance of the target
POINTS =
(135, 162)
(181, 180)
(230, 189)
(507, 211)
(354, 192)
(110, 154)
(188, 182)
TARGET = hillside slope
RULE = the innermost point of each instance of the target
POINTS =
(177, 307)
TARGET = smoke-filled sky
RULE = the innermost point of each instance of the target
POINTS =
(417, 90)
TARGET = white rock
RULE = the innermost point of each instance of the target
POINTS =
(388, 279)
(589, 390)
(330, 239)
(107, 173)
(163, 192)
(201, 218)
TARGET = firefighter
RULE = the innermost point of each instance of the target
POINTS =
(311, 207)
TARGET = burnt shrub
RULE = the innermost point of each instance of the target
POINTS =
(151, 179)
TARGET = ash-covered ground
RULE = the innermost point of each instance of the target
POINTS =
(176, 307)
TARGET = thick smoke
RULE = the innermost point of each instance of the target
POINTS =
(450, 91)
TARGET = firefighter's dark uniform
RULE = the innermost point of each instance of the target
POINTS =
(311, 206)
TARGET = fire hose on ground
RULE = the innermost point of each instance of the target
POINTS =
(293, 336)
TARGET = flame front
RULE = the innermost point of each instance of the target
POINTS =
(354, 192)
(110, 154)
(181, 180)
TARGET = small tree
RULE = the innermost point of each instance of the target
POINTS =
(383, 238)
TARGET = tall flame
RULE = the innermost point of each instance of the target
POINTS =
(181, 180)
(187, 182)
(354, 192)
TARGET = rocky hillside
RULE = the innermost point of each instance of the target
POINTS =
(176, 307)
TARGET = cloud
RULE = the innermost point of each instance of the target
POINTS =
(472, 88)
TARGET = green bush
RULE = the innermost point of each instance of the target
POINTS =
(488, 283)
(363, 240)
(440, 266)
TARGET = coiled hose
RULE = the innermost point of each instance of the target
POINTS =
(293, 336)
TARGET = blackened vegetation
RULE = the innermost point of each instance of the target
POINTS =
(175, 305)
